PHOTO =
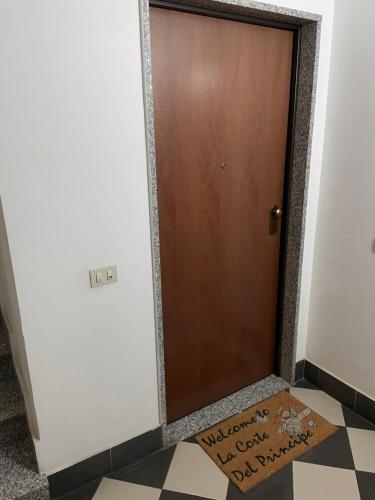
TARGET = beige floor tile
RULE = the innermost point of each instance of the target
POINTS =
(318, 482)
(110, 489)
(321, 403)
(194, 473)
(362, 443)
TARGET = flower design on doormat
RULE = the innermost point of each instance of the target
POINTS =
(262, 419)
(289, 420)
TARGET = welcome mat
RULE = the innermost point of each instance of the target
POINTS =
(257, 442)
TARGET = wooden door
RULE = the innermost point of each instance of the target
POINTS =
(221, 102)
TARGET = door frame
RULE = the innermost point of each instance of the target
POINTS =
(306, 28)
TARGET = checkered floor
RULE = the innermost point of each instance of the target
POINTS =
(340, 468)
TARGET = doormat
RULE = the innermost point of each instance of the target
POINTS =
(257, 442)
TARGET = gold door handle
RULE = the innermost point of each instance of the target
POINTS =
(275, 213)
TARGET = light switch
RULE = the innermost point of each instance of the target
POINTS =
(103, 276)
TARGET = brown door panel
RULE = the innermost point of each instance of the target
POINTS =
(221, 102)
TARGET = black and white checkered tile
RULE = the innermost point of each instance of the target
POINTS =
(340, 468)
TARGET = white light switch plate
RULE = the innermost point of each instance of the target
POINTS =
(103, 276)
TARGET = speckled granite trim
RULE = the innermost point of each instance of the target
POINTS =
(41, 494)
(299, 182)
(18, 471)
(13, 429)
(255, 9)
(306, 90)
(154, 215)
(226, 407)
(11, 403)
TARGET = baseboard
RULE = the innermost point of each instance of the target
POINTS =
(336, 388)
(300, 370)
(104, 463)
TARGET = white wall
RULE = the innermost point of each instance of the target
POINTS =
(74, 192)
(342, 319)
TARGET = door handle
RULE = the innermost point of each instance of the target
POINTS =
(275, 213)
